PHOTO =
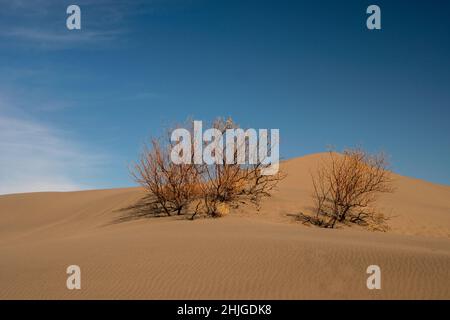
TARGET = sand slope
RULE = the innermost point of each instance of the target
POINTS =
(248, 255)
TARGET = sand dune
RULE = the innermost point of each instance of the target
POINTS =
(246, 255)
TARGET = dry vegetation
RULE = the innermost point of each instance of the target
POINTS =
(171, 187)
(194, 189)
(346, 187)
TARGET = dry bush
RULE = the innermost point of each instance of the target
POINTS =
(234, 183)
(171, 186)
(346, 187)
(201, 188)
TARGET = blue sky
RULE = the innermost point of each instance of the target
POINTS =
(76, 106)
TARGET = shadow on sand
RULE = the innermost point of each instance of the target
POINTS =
(143, 209)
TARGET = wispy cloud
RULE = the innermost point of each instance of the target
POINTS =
(65, 37)
(35, 157)
(42, 24)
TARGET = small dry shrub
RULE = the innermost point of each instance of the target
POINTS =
(346, 188)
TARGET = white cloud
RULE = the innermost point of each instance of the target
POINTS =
(52, 37)
(57, 40)
(34, 157)
(41, 24)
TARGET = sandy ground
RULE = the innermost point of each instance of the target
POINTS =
(246, 255)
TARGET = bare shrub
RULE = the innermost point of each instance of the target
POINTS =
(211, 189)
(346, 187)
(171, 186)
(234, 183)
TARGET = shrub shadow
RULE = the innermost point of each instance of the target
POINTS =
(144, 208)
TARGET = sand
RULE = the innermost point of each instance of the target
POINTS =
(246, 255)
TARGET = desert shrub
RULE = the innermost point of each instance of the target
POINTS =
(171, 186)
(346, 187)
(211, 189)
(234, 183)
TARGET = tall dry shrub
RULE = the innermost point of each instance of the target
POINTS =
(201, 188)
